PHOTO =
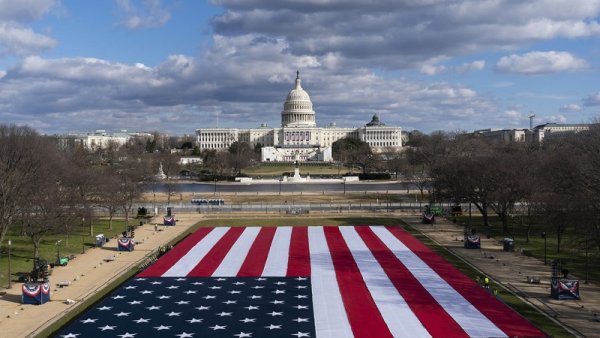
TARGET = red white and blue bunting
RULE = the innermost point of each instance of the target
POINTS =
(35, 293)
(125, 244)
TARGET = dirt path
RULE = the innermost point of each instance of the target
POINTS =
(511, 270)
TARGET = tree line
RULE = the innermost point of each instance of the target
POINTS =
(49, 189)
(45, 188)
(556, 182)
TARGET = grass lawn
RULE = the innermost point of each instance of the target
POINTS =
(572, 254)
(279, 169)
(79, 240)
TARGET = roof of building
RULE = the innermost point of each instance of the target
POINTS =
(375, 122)
(298, 93)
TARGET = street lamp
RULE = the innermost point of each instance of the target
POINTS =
(280, 180)
(58, 251)
(215, 186)
(9, 278)
(82, 235)
(544, 237)
(344, 183)
(153, 198)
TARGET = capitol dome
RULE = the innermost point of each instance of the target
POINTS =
(297, 109)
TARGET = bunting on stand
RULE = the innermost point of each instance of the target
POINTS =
(125, 244)
(35, 293)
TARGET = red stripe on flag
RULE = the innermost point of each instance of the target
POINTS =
(207, 266)
(431, 314)
(363, 315)
(507, 320)
(174, 255)
(299, 257)
(257, 255)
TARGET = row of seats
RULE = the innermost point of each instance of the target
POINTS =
(212, 201)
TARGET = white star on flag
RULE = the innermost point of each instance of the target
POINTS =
(218, 327)
(194, 320)
(106, 327)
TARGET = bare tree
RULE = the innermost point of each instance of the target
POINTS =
(47, 207)
(240, 155)
(353, 152)
(130, 174)
(508, 176)
(18, 163)
(108, 188)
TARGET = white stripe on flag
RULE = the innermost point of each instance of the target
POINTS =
(463, 312)
(195, 255)
(231, 264)
(330, 316)
(396, 313)
(277, 260)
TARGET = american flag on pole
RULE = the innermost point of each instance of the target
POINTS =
(315, 281)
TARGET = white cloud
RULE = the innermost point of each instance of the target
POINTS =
(471, 66)
(18, 40)
(149, 13)
(540, 63)
(246, 89)
(570, 108)
(513, 114)
(25, 10)
(559, 118)
(246, 72)
(592, 99)
(400, 34)
(432, 68)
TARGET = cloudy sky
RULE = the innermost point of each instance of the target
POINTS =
(175, 66)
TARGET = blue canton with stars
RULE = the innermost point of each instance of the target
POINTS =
(201, 307)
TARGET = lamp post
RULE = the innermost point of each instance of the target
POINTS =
(544, 237)
(344, 183)
(215, 186)
(9, 276)
(58, 251)
(82, 235)
(280, 180)
(153, 198)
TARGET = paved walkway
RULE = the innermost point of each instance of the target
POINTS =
(89, 273)
(511, 270)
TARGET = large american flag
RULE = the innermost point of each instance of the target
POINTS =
(315, 281)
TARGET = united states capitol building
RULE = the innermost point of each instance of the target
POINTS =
(299, 138)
